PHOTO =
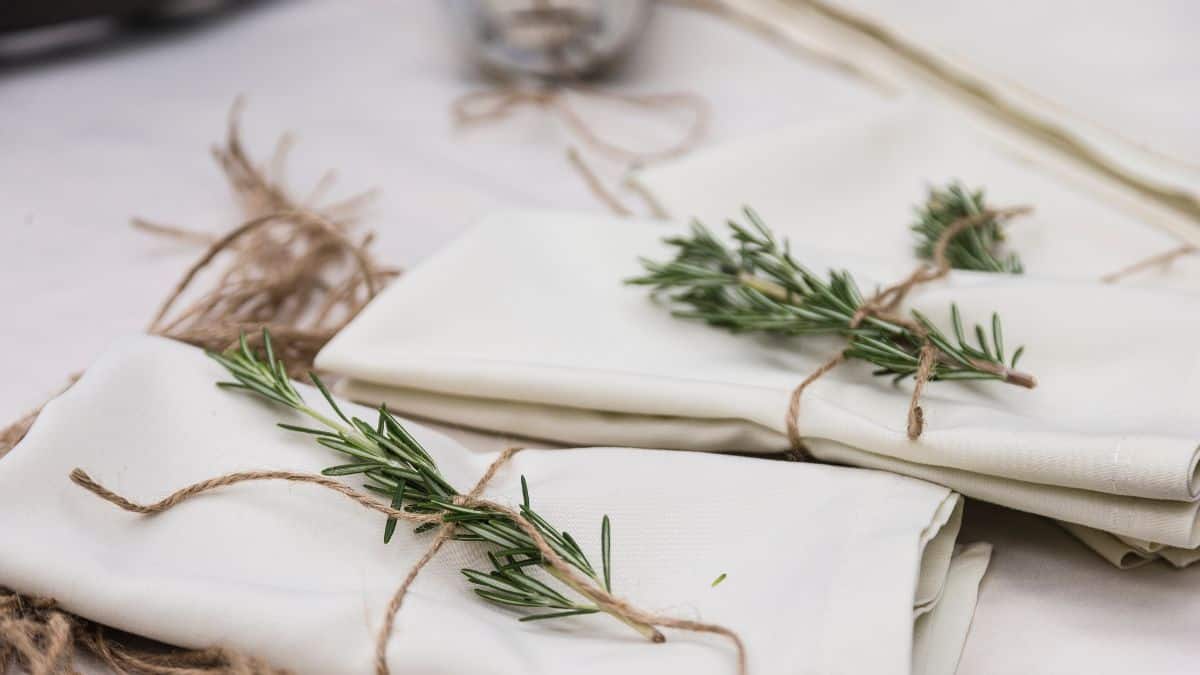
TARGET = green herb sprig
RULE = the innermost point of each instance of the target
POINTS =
(975, 248)
(756, 286)
(396, 465)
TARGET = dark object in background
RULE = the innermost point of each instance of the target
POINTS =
(24, 14)
(39, 32)
(553, 40)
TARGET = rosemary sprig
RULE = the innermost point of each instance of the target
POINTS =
(395, 464)
(758, 287)
(975, 248)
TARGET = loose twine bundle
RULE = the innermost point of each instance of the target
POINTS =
(294, 270)
(605, 600)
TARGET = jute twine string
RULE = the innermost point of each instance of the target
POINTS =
(882, 306)
(496, 104)
(1163, 259)
(595, 185)
(610, 603)
(294, 267)
(492, 105)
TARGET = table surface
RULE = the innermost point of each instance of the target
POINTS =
(101, 131)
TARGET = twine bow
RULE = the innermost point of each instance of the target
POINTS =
(491, 105)
(618, 607)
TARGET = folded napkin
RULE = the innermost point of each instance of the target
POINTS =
(828, 569)
(1055, 98)
(851, 186)
(523, 326)
(806, 182)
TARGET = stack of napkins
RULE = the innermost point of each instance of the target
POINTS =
(523, 326)
(808, 183)
(828, 570)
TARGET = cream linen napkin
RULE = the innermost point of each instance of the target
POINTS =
(827, 567)
(1102, 99)
(523, 325)
(805, 181)
(852, 186)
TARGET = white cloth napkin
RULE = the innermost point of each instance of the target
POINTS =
(827, 568)
(1103, 99)
(805, 181)
(523, 326)
(852, 186)
(1120, 82)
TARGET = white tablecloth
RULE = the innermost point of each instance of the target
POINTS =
(98, 134)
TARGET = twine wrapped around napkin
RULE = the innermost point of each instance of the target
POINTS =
(247, 570)
(883, 305)
(618, 607)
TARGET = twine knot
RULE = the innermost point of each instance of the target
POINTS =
(882, 306)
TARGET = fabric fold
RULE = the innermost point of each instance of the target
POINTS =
(846, 559)
(1044, 100)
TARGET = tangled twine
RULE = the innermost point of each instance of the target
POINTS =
(603, 599)
(293, 266)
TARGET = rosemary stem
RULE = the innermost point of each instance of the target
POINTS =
(644, 629)
(1007, 375)
(778, 292)
(394, 463)
(341, 428)
(768, 288)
